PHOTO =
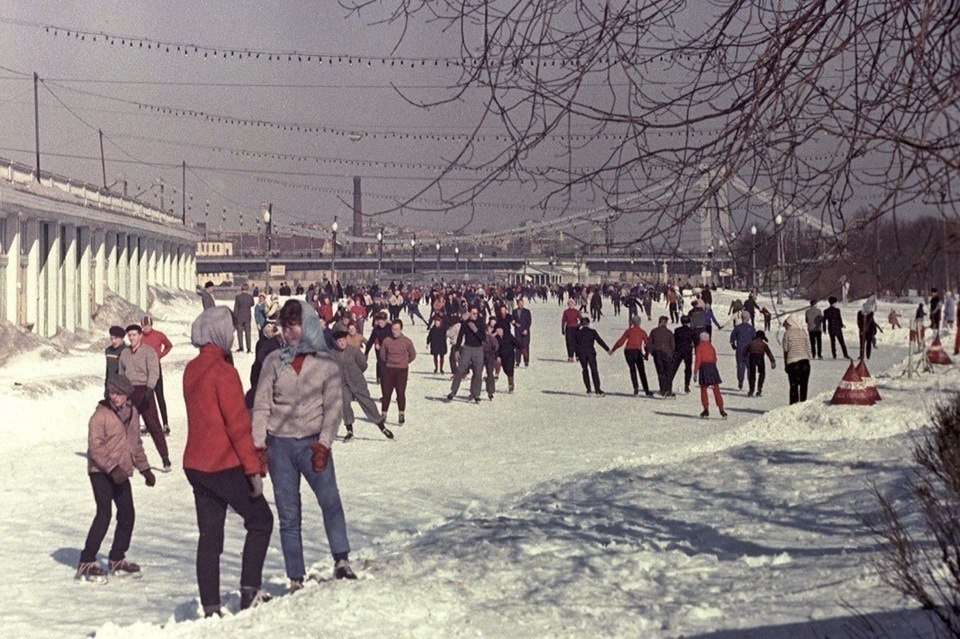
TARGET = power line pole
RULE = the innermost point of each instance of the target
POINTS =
(103, 160)
(183, 192)
(36, 118)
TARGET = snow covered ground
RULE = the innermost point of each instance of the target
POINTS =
(543, 513)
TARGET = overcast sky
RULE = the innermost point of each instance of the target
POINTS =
(350, 96)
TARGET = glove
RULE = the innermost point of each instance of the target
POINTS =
(149, 477)
(256, 485)
(117, 475)
(320, 456)
(773, 365)
(262, 458)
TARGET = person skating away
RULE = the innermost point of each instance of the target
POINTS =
(140, 364)
(673, 305)
(754, 352)
(867, 327)
(296, 414)
(162, 347)
(491, 355)
(112, 354)
(596, 306)
(893, 318)
(507, 353)
(398, 352)
(586, 339)
(379, 332)
(684, 341)
(767, 318)
(796, 358)
(751, 307)
(437, 342)
(740, 336)
(523, 321)
(569, 323)
(114, 450)
(352, 366)
(661, 346)
(935, 309)
(710, 320)
(470, 342)
(814, 317)
(634, 340)
(834, 323)
(736, 310)
(221, 462)
(707, 374)
(243, 303)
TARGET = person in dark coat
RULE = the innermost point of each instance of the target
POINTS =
(507, 354)
(523, 321)
(740, 336)
(270, 340)
(753, 352)
(661, 346)
(684, 342)
(834, 324)
(379, 332)
(584, 340)
(243, 303)
(437, 341)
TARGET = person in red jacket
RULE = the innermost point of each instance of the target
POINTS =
(569, 323)
(221, 463)
(159, 343)
(705, 368)
(635, 339)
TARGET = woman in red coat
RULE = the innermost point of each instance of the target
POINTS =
(705, 368)
(221, 462)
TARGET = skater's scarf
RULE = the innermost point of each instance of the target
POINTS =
(311, 338)
(213, 326)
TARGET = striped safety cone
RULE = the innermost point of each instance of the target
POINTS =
(868, 380)
(852, 391)
(936, 354)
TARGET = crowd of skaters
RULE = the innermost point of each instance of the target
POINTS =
(310, 365)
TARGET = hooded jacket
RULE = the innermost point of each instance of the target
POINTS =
(113, 440)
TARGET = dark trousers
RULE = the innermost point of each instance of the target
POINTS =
(523, 349)
(687, 361)
(588, 366)
(381, 366)
(106, 493)
(570, 335)
(816, 343)
(595, 313)
(212, 493)
(756, 371)
(834, 338)
(635, 366)
(394, 379)
(507, 363)
(674, 313)
(798, 373)
(741, 368)
(161, 401)
(662, 361)
(148, 411)
(866, 346)
(243, 331)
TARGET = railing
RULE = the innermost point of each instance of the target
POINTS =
(21, 175)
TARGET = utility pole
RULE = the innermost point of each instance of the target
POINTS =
(183, 192)
(36, 119)
(103, 161)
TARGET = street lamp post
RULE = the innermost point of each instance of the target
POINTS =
(778, 224)
(333, 255)
(268, 226)
(456, 254)
(481, 260)
(753, 255)
(413, 255)
(379, 252)
(438, 260)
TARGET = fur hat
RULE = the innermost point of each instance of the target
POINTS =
(118, 383)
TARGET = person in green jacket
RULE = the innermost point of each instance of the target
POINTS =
(112, 353)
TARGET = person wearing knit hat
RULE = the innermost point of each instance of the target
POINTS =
(114, 451)
(705, 368)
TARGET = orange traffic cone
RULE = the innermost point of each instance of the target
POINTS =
(936, 354)
(868, 381)
(852, 390)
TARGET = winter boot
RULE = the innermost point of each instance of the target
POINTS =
(600, 393)
(490, 395)
(749, 393)
(213, 610)
(476, 400)
(295, 585)
(705, 414)
(401, 419)
(166, 430)
(385, 430)
(636, 391)
(349, 434)
(91, 571)
(510, 384)
(723, 413)
(342, 570)
(124, 568)
(449, 397)
(759, 393)
(251, 597)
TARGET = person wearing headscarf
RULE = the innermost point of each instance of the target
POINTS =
(297, 411)
(221, 462)
(705, 368)
(796, 358)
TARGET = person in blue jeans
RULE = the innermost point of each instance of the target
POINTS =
(297, 410)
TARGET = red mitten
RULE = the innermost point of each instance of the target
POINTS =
(264, 463)
(320, 456)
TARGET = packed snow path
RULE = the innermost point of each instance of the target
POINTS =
(449, 462)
